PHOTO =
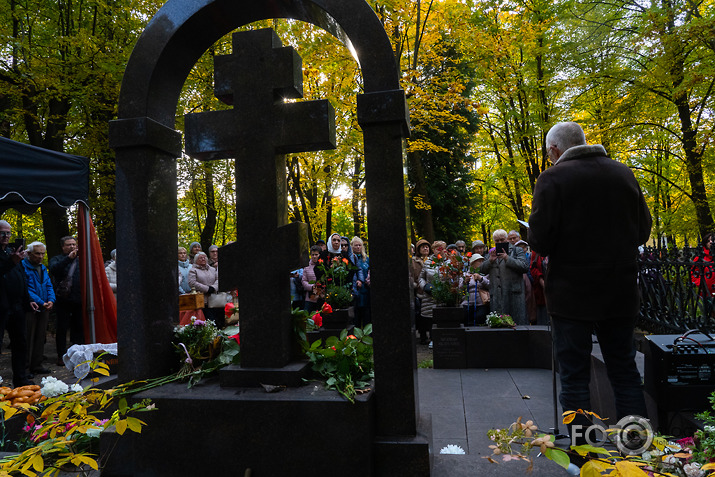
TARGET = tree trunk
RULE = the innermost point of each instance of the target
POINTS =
(55, 225)
(209, 230)
(420, 197)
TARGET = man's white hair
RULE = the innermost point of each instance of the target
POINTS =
(31, 248)
(565, 136)
(499, 233)
(5, 222)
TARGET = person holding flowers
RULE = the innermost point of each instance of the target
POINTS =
(335, 273)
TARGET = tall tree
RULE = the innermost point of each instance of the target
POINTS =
(662, 53)
(60, 68)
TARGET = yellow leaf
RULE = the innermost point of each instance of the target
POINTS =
(121, 426)
(659, 443)
(37, 463)
(569, 416)
(629, 469)
(709, 466)
(595, 415)
(135, 424)
(594, 468)
(102, 371)
(9, 412)
(80, 459)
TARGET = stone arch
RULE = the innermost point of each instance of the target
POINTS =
(183, 30)
(147, 146)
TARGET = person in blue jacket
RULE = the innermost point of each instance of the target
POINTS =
(42, 298)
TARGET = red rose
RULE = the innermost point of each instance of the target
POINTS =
(317, 319)
(345, 261)
(320, 260)
(327, 308)
(352, 337)
(237, 337)
(469, 254)
(229, 309)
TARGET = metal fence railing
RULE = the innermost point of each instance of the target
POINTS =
(673, 297)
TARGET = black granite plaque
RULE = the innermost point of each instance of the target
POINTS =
(449, 348)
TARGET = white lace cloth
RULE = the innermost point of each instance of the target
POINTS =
(77, 356)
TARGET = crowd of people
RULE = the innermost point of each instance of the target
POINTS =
(29, 291)
(310, 285)
(507, 279)
(198, 273)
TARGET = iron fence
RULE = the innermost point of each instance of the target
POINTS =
(673, 297)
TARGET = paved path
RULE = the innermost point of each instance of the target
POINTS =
(466, 403)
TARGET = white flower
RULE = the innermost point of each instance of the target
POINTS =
(52, 387)
(709, 428)
(76, 388)
(452, 449)
(693, 470)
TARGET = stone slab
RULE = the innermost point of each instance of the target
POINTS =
(293, 374)
(522, 347)
(302, 431)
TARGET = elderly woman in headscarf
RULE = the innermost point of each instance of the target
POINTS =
(334, 250)
(194, 248)
(204, 279)
(184, 267)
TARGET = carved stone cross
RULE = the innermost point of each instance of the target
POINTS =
(258, 79)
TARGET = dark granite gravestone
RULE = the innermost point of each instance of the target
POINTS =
(147, 146)
(450, 349)
(257, 79)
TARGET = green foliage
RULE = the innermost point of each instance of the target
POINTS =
(204, 349)
(448, 286)
(335, 281)
(59, 83)
(345, 362)
(426, 364)
(704, 450)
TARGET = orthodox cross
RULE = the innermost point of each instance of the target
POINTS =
(257, 79)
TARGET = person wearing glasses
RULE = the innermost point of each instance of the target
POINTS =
(65, 269)
(587, 194)
(14, 303)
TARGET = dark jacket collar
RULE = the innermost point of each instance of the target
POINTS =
(578, 152)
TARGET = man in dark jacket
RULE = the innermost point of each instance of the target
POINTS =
(14, 302)
(587, 194)
(65, 270)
